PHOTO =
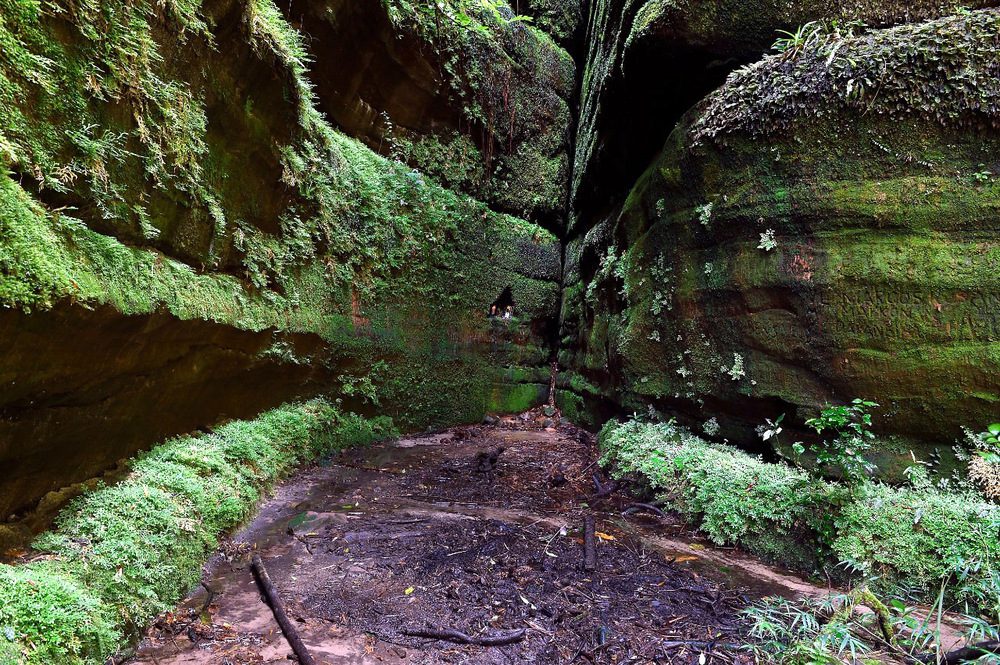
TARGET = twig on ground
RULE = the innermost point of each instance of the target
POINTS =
(498, 639)
(212, 593)
(637, 507)
(964, 655)
(699, 644)
(589, 544)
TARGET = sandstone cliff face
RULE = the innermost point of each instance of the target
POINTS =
(185, 238)
(486, 113)
(823, 226)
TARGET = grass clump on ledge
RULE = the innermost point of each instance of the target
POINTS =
(122, 554)
(900, 538)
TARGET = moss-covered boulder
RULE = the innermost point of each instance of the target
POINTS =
(734, 28)
(823, 227)
(650, 60)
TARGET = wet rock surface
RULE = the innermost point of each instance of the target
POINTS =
(417, 536)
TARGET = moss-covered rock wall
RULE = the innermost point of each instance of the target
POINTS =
(213, 206)
(648, 61)
(186, 236)
(824, 226)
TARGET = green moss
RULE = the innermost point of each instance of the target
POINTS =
(923, 536)
(747, 29)
(121, 554)
(559, 18)
(881, 282)
(111, 109)
(380, 261)
(516, 398)
(454, 160)
(55, 97)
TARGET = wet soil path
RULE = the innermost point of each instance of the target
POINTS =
(476, 529)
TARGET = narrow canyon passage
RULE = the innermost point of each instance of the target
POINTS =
(247, 245)
(475, 529)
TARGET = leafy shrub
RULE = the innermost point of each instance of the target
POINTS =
(45, 606)
(851, 423)
(923, 537)
(121, 554)
(982, 454)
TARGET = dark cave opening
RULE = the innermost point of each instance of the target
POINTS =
(503, 306)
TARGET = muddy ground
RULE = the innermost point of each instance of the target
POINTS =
(475, 529)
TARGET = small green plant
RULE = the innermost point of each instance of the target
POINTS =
(793, 43)
(816, 631)
(830, 629)
(851, 424)
(983, 175)
(365, 386)
(767, 241)
(704, 213)
(737, 371)
(771, 429)
(983, 459)
(992, 435)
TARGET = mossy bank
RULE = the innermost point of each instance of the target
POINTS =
(914, 540)
(121, 554)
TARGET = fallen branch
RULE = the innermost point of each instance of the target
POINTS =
(602, 489)
(271, 595)
(212, 593)
(699, 644)
(450, 635)
(963, 655)
(589, 544)
(637, 507)
(864, 597)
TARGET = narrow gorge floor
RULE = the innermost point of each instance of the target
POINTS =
(476, 529)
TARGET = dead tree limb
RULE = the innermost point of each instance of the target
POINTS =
(498, 639)
(603, 490)
(271, 595)
(698, 644)
(589, 544)
(553, 375)
(212, 593)
(638, 507)
(963, 655)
